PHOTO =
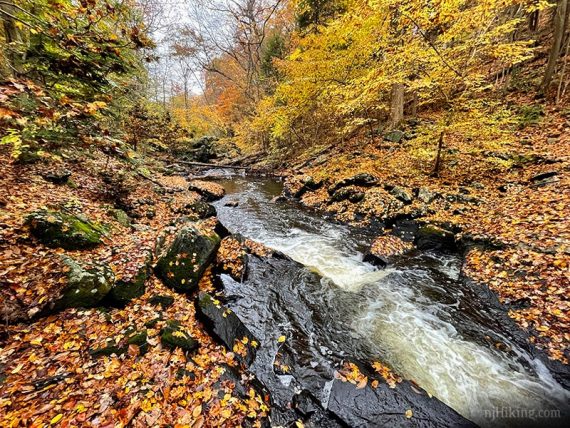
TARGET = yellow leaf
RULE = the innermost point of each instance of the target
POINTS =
(362, 383)
(37, 341)
(178, 333)
(281, 339)
(409, 413)
(17, 369)
(197, 411)
(299, 424)
(56, 419)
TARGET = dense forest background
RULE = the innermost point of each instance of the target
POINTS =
(279, 78)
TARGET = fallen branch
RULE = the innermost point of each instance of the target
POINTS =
(212, 165)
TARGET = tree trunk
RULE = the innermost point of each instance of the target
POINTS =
(437, 163)
(396, 105)
(533, 20)
(414, 105)
(12, 37)
(558, 37)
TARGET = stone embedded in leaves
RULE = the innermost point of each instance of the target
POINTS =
(86, 286)
(68, 231)
(182, 264)
(208, 190)
(174, 336)
(125, 290)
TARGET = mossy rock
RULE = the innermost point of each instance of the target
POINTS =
(122, 217)
(86, 287)
(182, 265)
(202, 210)
(138, 339)
(126, 290)
(163, 301)
(173, 336)
(394, 136)
(350, 193)
(430, 237)
(68, 231)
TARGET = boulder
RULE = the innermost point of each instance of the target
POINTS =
(228, 328)
(385, 248)
(296, 187)
(430, 237)
(68, 231)
(126, 289)
(136, 338)
(400, 193)
(58, 176)
(86, 286)
(121, 217)
(173, 336)
(182, 264)
(164, 301)
(405, 405)
(363, 180)
(543, 178)
(203, 210)
(352, 194)
(394, 136)
(425, 195)
(208, 190)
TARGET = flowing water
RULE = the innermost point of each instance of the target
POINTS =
(416, 315)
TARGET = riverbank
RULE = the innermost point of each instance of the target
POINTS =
(511, 215)
(90, 336)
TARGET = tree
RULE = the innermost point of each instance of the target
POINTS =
(560, 24)
(83, 62)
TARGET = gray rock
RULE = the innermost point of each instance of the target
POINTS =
(425, 195)
(401, 194)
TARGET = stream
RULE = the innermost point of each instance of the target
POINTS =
(416, 315)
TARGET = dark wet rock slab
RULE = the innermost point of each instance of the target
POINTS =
(382, 406)
(301, 348)
(227, 327)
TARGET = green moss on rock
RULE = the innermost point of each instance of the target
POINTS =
(86, 287)
(68, 231)
(126, 290)
(174, 336)
(122, 217)
(182, 265)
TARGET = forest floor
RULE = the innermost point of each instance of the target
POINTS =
(500, 200)
(49, 372)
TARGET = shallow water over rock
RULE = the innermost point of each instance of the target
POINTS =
(417, 315)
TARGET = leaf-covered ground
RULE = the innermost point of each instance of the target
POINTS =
(50, 373)
(497, 198)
